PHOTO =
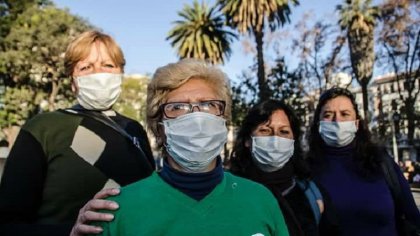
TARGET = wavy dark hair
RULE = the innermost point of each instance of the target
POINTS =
(366, 150)
(241, 160)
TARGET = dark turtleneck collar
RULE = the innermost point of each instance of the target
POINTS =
(281, 179)
(340, 151)
(195, 185)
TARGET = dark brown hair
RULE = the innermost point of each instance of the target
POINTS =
(366, 150)
(241, 158)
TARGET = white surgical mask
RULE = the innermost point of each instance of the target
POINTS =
(194, 140)
(271, 153)
(98, 91)
(337, 134)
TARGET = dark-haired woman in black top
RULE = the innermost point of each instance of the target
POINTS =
(267, 150)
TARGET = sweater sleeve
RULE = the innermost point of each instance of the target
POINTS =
(409, 205)
(21, 190)
(23, 180)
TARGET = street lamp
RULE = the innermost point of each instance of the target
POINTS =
(396, 119)
(395, 127)
(394, 140)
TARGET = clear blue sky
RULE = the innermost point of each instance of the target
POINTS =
(140, 27)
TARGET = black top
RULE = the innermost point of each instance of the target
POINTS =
(58, 162)
(295, 206)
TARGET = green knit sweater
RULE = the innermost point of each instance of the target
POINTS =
(235, 207)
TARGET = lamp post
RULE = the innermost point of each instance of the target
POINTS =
(395, 127)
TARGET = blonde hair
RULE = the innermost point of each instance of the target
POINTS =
(80, 47)
(172, 76)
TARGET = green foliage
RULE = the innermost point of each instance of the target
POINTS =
(31, 60)
(248, 16)
(251, 17)
(288, 86)
(201, 34)
(11, 9)
(35, 46)
(18, 106)
(357, 19)
(244, 96)
(132, 102)
(282, 84)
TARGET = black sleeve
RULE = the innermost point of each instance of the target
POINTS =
(35, 229)
(23, 178)
(21, 190)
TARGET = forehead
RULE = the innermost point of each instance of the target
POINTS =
(338, 103)
(278, 118)
(194, 90)
(97, 51)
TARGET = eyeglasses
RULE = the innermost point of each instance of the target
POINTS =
(175, 109)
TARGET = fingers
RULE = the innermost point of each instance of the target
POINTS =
(107, 192)
(79, 230)
(88, 212)
(99, 204)
(95, 216)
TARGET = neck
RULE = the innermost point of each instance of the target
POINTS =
(195, 185)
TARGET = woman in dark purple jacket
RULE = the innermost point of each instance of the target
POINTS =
(348, 165)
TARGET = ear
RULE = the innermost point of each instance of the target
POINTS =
(357, 123)
(161, 137)
(248, 143)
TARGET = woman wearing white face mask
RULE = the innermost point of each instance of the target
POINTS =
(188, 104)
(353, 171)
(267, 150)
(61, 159)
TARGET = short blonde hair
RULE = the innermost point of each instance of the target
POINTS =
(172, 76)
(80, 47)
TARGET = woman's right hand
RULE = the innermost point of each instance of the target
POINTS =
(89, 213)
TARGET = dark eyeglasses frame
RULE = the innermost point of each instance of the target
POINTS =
(192, 104)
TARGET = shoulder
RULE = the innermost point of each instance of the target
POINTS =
(240, 181)
(244, 186)
(51, 119)
(126, 119)
(141, 190)
(131, 125)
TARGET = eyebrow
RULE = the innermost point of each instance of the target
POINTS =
(330, 111)
(267, 125)
(108, 61)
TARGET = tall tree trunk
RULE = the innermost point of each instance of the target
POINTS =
(362, 57)
(365, 103)
(262, 82)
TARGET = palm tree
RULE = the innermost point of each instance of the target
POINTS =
(357, 19)
(201, 34)
(251, 16)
